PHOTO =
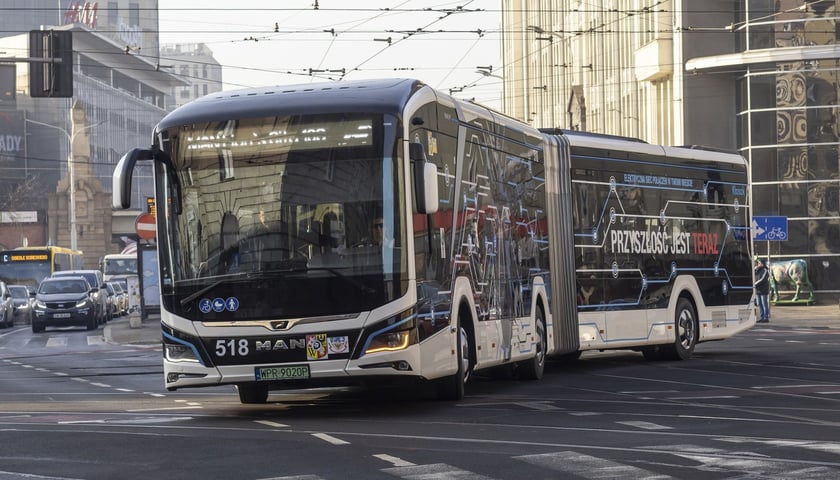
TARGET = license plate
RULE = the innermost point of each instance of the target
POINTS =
(61, 315)
(286, 372)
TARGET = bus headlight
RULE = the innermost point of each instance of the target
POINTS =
(179, 353)
(179, 350)
(393, 335)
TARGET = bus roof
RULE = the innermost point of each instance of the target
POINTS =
(385, 95)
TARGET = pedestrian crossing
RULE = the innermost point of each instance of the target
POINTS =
(54, 340)
(673, 462)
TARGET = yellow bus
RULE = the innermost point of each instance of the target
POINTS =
(29, 265)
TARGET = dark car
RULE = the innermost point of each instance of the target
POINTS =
(100, 294)
(64, 301)
(22, 300)
(7, 308)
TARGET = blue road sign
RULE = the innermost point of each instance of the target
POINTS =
(771, 229)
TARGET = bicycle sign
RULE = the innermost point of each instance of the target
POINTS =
(769, 228)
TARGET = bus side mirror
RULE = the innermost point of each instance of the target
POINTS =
(426, 196)
(121, 186)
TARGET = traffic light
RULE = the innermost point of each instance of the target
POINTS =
(51, 64)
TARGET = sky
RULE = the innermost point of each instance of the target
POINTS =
(284, 42)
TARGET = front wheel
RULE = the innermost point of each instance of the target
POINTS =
(249, 393)
(453, 386)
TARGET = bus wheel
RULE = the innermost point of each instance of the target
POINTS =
(687, 331)
(533, 368)
(452, 387)
(250, 393)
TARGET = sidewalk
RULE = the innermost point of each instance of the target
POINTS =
(119, 331)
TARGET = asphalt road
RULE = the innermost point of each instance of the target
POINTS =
(762, 405)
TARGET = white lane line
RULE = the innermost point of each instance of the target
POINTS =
(774, 387)
(395, 461)
(710, 397)
(97, 384)
(137, 410)
(646, 392)
(95, 340)
(645, 425)
(272, 424)
(541, 406)
(330, 439)
(127, 390)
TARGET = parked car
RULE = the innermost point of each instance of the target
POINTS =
(22, 299)
(121, 298)
(64, 301)
(7, 308)
(100, 296)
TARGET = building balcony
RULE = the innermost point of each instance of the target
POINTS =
(654, 60)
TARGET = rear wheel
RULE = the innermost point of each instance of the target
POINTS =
(686, 332)
(251, 393)
(533, 368)
(452, 387)
(36, 327)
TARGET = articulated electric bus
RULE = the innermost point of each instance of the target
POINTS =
(379, 232)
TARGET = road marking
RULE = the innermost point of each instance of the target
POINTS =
(57, 342)
(541, 406)
(645, 425)
(95, 340)
(395, 461)
(806, 385)
(136, 410)
(435, 471)
(97, 384)
(587, 466)
(330, 439)
(272, 424)
(127, 390)
(710, 397)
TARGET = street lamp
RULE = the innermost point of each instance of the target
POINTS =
(70, 173)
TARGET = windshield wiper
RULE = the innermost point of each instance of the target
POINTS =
(238, 278)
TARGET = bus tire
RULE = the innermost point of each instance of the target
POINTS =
(453, 386)
(686, 331)
(533, 368)
(251, 393)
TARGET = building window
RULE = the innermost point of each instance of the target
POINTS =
(133, 14)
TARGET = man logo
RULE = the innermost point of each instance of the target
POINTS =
(281, 325)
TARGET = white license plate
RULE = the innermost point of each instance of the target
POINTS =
(286, 372)
(61, 315)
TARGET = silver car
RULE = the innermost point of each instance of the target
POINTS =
(7, 308)
(22, 300)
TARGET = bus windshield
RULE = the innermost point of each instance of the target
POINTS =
(119, 266)
(281, 217)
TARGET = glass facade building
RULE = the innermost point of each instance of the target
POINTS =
(755, 76)
(120, 89)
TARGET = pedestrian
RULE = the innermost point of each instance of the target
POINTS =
(762, 289)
